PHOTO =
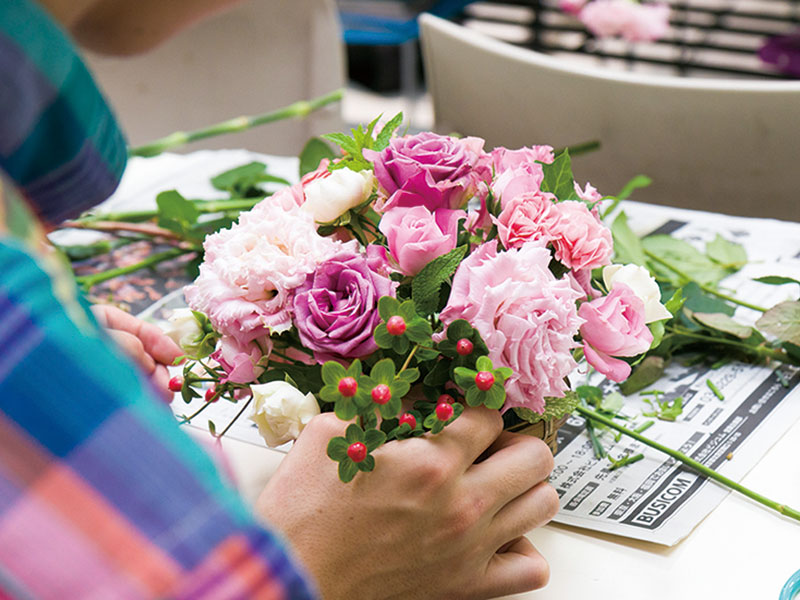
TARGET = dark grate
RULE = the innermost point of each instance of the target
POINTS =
(708, 38)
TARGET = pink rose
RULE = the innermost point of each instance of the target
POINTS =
(528, 217)
(648, 23)
(526, 316)
(633, 21)
(504, 159)
(580, 239)
(240, 360)
(518, 172)
(614, 326)
(429, 170)
(416, 236)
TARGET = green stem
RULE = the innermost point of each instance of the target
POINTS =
(702, 286)
(761, 351)
(692, 463)
(180, 138)
(203, 207)
(408, 358)
(186, 420)
(583, 148)
(236, 418)
(88, 281)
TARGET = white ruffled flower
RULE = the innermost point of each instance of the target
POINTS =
(643, 285)
(329, 197)
(281, 411)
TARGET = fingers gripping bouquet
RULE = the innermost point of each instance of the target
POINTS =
(409, 276)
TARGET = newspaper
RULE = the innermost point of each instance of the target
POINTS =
(654, 499)
(657, 499)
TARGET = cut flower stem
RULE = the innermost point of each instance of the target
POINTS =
(690, 462)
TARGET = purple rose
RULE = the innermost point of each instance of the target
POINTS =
(416, 236)
(336, 309)
(429, 170)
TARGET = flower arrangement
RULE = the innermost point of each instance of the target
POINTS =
(628, 19)
(405, 277)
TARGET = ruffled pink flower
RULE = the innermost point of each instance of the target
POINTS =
(532, 216)
(526, 316)
(614, 326)
(416, 236)
(572, 7)
(633, 21)
(580, 239)
(250, 270)
(429, 170)
(518, 172)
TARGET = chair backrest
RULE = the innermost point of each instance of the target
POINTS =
(730, 146)
(257, 57)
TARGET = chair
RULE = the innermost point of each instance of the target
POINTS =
(259, 56)
(729, 146)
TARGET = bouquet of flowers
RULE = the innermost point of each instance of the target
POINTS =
(405, 277)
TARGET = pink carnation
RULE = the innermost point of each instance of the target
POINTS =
(250, 270)
(633, 21)
(614, 326)
(526, 316)
(532, 216)
(580, 239)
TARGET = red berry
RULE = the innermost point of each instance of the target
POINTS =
(446, 398)
(484, 380)
(408, 418)
(444, 411)
(357, 452)
(396, 325)
(348, 386)
(211, 394)
(381, 393)
(175, 384)
(464, 347)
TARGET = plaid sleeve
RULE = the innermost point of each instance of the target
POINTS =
(101, 496)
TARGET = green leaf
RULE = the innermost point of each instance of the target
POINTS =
(354, 434)
(696, 300)
(400, 344)
(459, 329)
(728, 254)
(484, 363)
(419, 331)
(495, 396)
(385, 136)
(558, 178)
(439, 375)
(374, 438)
(724, 323)
(175, 212)
(407, 310)
(354, 370)
(345, 408)
(465, 378)
(347, 470)
(428, 282)
(675, 303)
(337, 448)
(644, 374)
(333, 372)
(383, 371)
(590, 394)
(345, 142)
(782, 321)
(776, 280)
(627, 245)
(685, 257)
(657, 329)
(409, 375)
(503, 373)
(638, 182)
(388, 307)
(366, 465)
(382, 337)
(474, 396)
(612, 403)
(233, 177)
(212, 429)
(313, 153)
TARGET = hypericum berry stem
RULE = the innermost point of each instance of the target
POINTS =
(396, 325)
(357, 452)
(212, 395)
(484, 380)
(381, 393)
(348, 386)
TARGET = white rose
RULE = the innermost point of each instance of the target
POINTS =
(185, 330)
(643, 285)
(329, 197)
(281, 411)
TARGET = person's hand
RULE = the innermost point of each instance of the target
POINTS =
(440, 517)
(144, 342)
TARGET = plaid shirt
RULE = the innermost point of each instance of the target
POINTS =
(101, 496)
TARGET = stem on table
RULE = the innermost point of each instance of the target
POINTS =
(149, 229)
(236, 418)
(692, 463)
(761, 351)
(88, 281)
(202, 206)
(180, 138)
(702, 286)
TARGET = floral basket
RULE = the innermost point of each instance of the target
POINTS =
(413, 262)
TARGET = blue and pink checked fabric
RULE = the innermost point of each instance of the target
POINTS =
(100, 495)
